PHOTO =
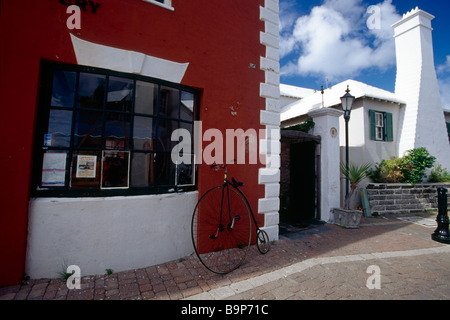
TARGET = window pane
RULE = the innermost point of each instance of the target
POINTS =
(189, 127)
(141, 169)
(120, 94)
(117, 130)
(165, 129)
(86, 169)
(63, 91)
(115, 169)
(170, 98)
(185, 172)
(91, 90)
(164, 169)
(187, 106)
(59, 128)
(379, 133)
(379, 119)
(88, 129)
(143, 133)
(146, 97)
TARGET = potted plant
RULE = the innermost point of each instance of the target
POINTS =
(347, 217)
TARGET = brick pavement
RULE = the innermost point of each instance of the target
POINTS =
(403, 275)
(412, 274)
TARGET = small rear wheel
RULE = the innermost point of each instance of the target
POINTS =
(262, 241)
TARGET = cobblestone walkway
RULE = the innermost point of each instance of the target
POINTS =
(309, 264)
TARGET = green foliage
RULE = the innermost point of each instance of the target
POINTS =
(355, 174)
(389, 171)
(63, 274)
(408, 169)
(439, 174)
(304, 127)
(419, 159)
(109, 271)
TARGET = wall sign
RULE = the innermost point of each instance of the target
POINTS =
(333, 132)
(86, 166)
(54, 169)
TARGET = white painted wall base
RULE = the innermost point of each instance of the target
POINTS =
(119, 233)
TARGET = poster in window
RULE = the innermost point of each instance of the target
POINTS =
(54, 169)
(86, 166)
(115, 169)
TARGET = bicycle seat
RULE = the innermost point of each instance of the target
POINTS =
(237, 183)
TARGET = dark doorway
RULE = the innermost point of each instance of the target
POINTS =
(303, 182)
(299, 179)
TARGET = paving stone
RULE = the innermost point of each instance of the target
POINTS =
(320, 262)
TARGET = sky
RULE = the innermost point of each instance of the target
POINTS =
(324, 42)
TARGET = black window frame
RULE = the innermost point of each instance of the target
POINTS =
(47, 68)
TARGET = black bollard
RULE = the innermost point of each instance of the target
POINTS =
(442, 233)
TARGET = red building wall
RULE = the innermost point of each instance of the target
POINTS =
(220, 40)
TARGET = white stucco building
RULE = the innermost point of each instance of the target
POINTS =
(385, 124)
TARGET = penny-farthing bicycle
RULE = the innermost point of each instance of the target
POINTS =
(221, 226)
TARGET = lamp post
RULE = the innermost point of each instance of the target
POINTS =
(347, 101)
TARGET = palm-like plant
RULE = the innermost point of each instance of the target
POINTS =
(355, 174)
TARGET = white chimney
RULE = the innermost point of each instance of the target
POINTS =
(422, 122)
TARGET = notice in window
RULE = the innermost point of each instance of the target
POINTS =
(86, 166)
(54, 169)
(115, 169)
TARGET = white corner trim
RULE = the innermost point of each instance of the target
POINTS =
(101, 56)
(269, 176)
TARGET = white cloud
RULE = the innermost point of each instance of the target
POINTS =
(443, 72)
(333, 40)
(445, 67)
(288, 16)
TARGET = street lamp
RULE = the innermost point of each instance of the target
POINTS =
(347, 101)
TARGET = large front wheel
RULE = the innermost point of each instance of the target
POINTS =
(221, 229)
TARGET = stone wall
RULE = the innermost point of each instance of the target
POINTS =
(403, 198)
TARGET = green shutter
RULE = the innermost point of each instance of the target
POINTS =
(389, 127)
(372, 124)
(448, 130)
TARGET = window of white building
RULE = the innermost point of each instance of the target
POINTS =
(381, 126)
